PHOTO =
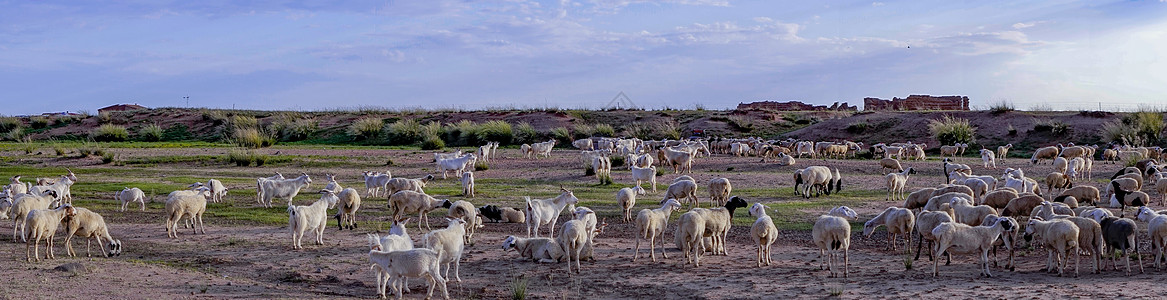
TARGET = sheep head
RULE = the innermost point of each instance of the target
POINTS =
(1145, 214)
(509, 243)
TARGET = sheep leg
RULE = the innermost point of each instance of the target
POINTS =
(69, 245)
(661, 237)
(846, 262)
(919, 246)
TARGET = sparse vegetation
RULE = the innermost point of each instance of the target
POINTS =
(150, 133)
(742, 123)
(402, 132)
(252, 138)
(433, 142)
(498, 131)
(110, 133)
(1054, 127)
(525, 133)
(1001, 106)
(9, 123)
(857, 127)
(949, 130)
(562, 135)
(1136, 129)
(38, 122)
(519, 288)
(369, 128)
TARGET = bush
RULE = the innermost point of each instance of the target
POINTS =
(59, 150)
(107, 157)
(292, 128)
(15, 134)
(741, 123)
(857, 127)
(241, 121)
(252, 138)
(462, 133)
(103, 117)
(562, 135)
(150, 133)
(1054, 127)
(582, 131)
(1002, 106)
(433, 142)
(176, 132)
(481, 166)
(240, 158)
(525, 134)
(404, 132)
(38, 122)
(9, 123)
(369, 128)
(110, 133)
(604, 130)
(617, 160)
(1012, 131)
(497, 131)
(1136, 129)
(949, 130)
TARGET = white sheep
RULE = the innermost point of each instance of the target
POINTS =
(349, 201)
(819, 178)
(650, 225)
(764, 233)
(1060, 239)
(259, 185)
(405, 202)
(179, 205)
(18, 187)
(449, 243)
(645, 174)
(683, 189)
(681, 161)
(441, 156)
(690, 230)
(925, 222)
(464, 210)
(397, 240)
(891, 163)
(832, 234)
(218, 190)
(899, 221)
(23, 204)
(573, 237)
(968, 214)
(718, 221)
(395, 185)
(283, 188)
(128, 195)
(785, 160)
(90, 226)
(1157, 230)
(43, 223)
(458, 165)
(626, 197)
(957, 238)
(602, 166)
(546, 211)
(468, 184)
(896, 182)
(421, 263)
(376, 182)
(544, 250)
(1089, 238)
(988, 158)
(719, 190)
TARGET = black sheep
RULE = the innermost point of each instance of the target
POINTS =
(491, 212)
(1125, 199)
(1119, 234)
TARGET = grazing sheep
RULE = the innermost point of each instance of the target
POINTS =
(683, 189)
(543, 250)
(898, 221)
(405, 202)
(503, 214)
(449, 243)
(1044, 153)
(1089, 238)
(957, 238)
(1056, 180)
(1077, 168)
(90, 226)
(968, 214)
(818, 178)
(832, 234)
(919, 198)
(1127, 198)
(891, 163)
(1022, 204)
(626, 197)
(1085, 194)
(546, 211)
(764, 233)
(468, 184)
(395, 185)
(1119, 234)
(1003, 151)
(421, 263)
(43, 223)
(283, 188)
(998, 199)
(1060, 239)
(650, 225)
(681, 161)
(896, 182)
(128, 195)
(719, 190)
(310, 217)
(988, 158)
(925, 222)
(23, 204)
(1157, 230)
(346, 213)
(464, 210)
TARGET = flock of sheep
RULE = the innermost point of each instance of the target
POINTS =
(969, 214)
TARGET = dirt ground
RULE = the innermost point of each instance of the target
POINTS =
(255, 261)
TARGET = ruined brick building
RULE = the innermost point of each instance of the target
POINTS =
(917, 102)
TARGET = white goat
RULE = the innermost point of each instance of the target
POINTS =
(546, 211)
(449, 243)
(650, 225)
(458, 165)
(283, 188)
(128, 195)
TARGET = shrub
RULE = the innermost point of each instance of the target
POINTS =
(241, 121)
(582, 131)
(38, 122)
(498, 131)
(103, 117)
(525, 133)
(519, 288)
(462, 133)
(1002, 106)
(562, 135)
(1148, 124)
(150, 133)
(176, 132)
(403, 132)
(481, 166)
(15, 134)
(433, 142)
(292, 128)
(59, 150)
(9, 123)
(369, 128)
(949, 130)
(741, 123)
(668, 130)
(239, 158)
(617, 160)
(857, 127)
(107, 157)
(1054, 127)
(252, 138)
(110, 133)
(432, 129)
(604, 130)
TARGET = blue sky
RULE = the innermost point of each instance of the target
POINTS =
(307, 55)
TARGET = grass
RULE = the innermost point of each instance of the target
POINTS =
(949, 130)
(1002, 106)
(109, 133)
(1053, 127)
(250, 137)
(367, 128)
(519, 288)
(150, 133)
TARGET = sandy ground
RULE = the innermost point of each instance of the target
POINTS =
(257, 262)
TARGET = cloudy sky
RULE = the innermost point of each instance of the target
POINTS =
(319, 54)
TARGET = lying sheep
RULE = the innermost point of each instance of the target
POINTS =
(650, 225)
(310, 217)
(1060, 239)
(90, 226)
(832, 234)
(957, 238)
(503, 214)
(543, 250)
(764, 233)
(42, 224)
(1119, 234)
(898, 221)
(405, 202)
(128, 195)
(1084, 194)
(785, 160)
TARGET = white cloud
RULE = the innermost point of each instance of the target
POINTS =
(1023, 25)
(877, 4)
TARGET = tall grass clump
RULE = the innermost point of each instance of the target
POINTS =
(562, 135)
(433, 142)
(525, 134)
(1149, 125)
(244, 158)
(497, 131)
(949, 130)
(403, 132)
(604, 130)
(241, 121)
(150, 133)
(369, 128)
(14, 134)
(109, 133)
(463, 133)
(741, 123)
(292, 127)
(1136, 129)
(252, 138)
(519, 288)
(1053, 127)
(9, 123)
(582, 131)
(38, 122)
(1002, 106)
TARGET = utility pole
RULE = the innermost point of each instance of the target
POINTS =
(187, 100)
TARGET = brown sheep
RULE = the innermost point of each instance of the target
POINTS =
(919, 198)
(1044, 153)
(998, 199)
(891, 163)
(1057, 180)
(1022, 205)
(953, 188)
(1072, 152)
(1085, 194)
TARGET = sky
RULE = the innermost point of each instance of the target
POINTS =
(445, 54)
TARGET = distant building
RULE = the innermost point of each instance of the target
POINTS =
(121, 107)
(917, 102)
(60, 113)
(793, 106)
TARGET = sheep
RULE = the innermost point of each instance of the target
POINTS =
(955, 188)
(18, 187)
(1089, 238)
(259, 186)
(458, 165)
(543, 250)
(719, 190)
(127, 195)
(950, 167)
(408, 263)
(934, 202)
(832, 234)
(602, 166)
(1049, 152)
(896, 182)
(718, 221)
(409, 202)
(681, 161)
(468, 184)
(645, 174)
(919, 198)
(464, 210)
(283, 188)
(1084, 194)
(541, 149)
(396, 240)
(441, 156)
(818, 177)
(1057, 180)
(376, 182)
(650, 225)
(990, 183)
(1127, 198)
(5, 204)
(592, 227)
(1156, 229)
(43, 223)
(1077, 168)
(952, 151)
(785, 160)
(891, 163)
(23, 204)
(1161, 187)
(957, 238)
(1061, 164)
(1060, 239)
(898, 221)
(572, 239)
(988, 159)
(504, 214)
(764, 233)
(998, 199)
(310, 217)
(348, 203)
(925, 222)
(61, 188)
(90, 226)
(683, 189)
(583, 144)
(395, 185)
(218, 190)
(968, 214)
(1003, 151)
(1022, 204)
(1119, 234)
(546, 211)
(449, 243)
(1110, 155)
(626, 197)
(690, 230)
(1047, 210)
